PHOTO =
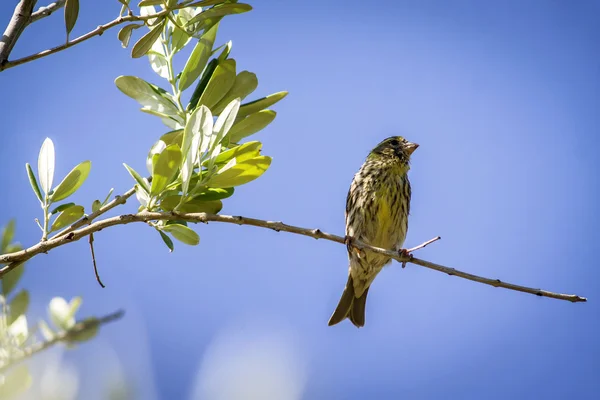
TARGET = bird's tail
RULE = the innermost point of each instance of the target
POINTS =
(350, 306)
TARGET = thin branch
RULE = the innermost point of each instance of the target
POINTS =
(118, 200)
(96, 32)
(427, 243)
(43, 12)
(67, 335)
(14, 259)
(91, 241)
(14, 29)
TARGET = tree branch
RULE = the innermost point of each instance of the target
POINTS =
(5, 64)
(43, 12)
(14, 259)
(15, 28)
(67, 335)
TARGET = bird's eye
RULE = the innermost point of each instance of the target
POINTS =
(394, 142)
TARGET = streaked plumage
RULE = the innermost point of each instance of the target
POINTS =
(377, 209)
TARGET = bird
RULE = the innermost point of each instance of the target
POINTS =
(377, 209)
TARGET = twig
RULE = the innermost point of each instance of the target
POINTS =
(43, 12)
(118, 200)
(94, 260)
(13, 259)
(96, 32)
(15, 28)
(67, 335)
(427, 243)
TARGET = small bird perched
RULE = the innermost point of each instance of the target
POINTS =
(377, 209)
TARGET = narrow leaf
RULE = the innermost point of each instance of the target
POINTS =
(220, 11)
(245, 83)
(67, 217)
(210, 194)
(198, 59)
(240, 153)
(250, 125)
(60, 208)
(241, 173)
(141, 181)
(72, 181)
(201, 86)
(166, 166)
(71, 14)
(142, 46)
(8, 233)
(10, 279)
(46, 165)
(33, 182)
(183, 234)
(167, 241)
(124, 34)
(147, 94)
(220, 83)
(18, 305)
(107, 196)
(96, 205)
(260, 104)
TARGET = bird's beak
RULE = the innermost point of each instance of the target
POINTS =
(411, 147)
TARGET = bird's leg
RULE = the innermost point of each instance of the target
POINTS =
(404, 253)
(349, 241)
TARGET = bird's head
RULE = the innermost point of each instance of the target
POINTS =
(395, 147)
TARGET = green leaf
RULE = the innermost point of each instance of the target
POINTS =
(240, 153)
(224, 123)
(46, 165)
(183, 234)
(220, 83)
(60, 313)
(18, 305)
(71, 14)
(144, 3)
(72, 181)
(250, 125)
(16, 381)
(46, 331)
(60, 208)
(198, 59)
(87, 334)
(74, 305)
(107, 196)
(143, 45)
(10, 279)
(158, 60)
(241, 173)
(124, 34)
(141, 181)
(226, 50)
(219, 11)
(96, 205)
(148, 95)
(201, 86)
(167, 241)
(245, 83)
(169, 203)
(8, 233)
(197, 130)
(33, 182)
(260, 104)
(67, 217)
(173, 137)
(210, 194)
(164, 170)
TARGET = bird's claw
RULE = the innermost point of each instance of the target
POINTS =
(349, 241)
(404, 253)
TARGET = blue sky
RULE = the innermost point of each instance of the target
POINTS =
(503, 98)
